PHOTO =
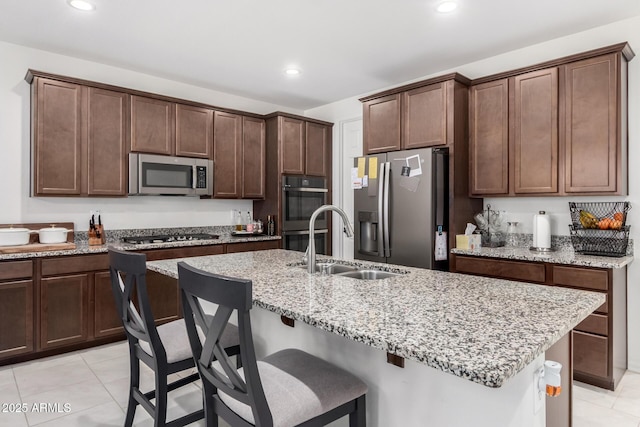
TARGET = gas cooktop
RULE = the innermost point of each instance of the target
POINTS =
(163, 238)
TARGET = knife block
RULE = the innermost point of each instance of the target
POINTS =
(96, 236)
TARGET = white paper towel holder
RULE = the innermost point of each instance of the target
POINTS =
(541, 250)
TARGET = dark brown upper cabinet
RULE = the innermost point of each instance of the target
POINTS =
(566, 123)
(253, 158)
(381, 119)
(292, 139)
(239, 156)
(424, 117)
(107, 142)
(417, 115)
(534, 131)
(57, 137)
(79, 139)
(593, 125)
(317, 158)
(194, 131)
(489, 138)
(152, 125)
(303, 146)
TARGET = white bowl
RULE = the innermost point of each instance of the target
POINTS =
(53, 234)
(14, 236)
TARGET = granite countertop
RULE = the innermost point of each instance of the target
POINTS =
(83, 248)
(456, 323)
(565, 256)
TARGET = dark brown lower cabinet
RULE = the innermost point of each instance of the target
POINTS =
(106, 321)
(600, 340)
(16, 327)
(64, 309)
(253, 246)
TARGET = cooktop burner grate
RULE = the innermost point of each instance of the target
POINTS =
(163, 238)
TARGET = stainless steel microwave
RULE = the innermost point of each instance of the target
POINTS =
(151, 174)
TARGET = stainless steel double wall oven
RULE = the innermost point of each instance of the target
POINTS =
(301, 196)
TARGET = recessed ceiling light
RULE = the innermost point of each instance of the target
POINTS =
(447, 6)
(292, 71)
(81, 5)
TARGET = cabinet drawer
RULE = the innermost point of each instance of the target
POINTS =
(153, 255)
(595, 323)
(524, 271)
(252, 246)
(74, 264)
(590, 354)
(16, 270)
(585, 278)
(604, 308)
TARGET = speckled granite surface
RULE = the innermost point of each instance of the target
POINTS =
(566, 256)
(114, 239)
(484, 330)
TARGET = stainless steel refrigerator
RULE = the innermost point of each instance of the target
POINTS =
(401, 207)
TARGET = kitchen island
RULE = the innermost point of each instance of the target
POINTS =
(483, 337)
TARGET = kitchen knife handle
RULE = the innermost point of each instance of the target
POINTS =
(385, 216)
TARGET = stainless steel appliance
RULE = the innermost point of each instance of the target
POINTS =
(298, 240)
(301, 196)
(163, 238)
(151, 174)
(403, 207)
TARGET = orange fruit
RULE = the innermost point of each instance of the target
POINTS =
(618, 216)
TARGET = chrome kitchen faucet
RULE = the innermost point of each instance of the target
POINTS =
(311, 249)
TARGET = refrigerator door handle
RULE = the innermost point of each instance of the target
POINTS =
(381, 227)
(385, 213)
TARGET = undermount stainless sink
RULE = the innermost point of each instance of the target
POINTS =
(332, 268)
(369, 274)
(352, 271)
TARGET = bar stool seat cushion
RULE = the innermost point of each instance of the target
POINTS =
(175, 340)
(298, 387)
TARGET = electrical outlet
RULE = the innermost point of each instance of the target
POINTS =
(538, 395)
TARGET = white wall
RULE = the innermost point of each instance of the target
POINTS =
(18, 207)
(523, 209)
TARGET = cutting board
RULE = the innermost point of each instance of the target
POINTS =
(34, 245)
(37, 247)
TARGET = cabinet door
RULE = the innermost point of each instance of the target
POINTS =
(292, 141)
(107, 142)
(16, 328)
(382, 124)
(57, 138)
(424, 119)
(107, 322)
(253, 158)
(152, 126)
(194, 131)
(489, 138)
(227, 155)
(534, 132)
(64, 303)
(317, 152)
(164, 297)
(592, 139)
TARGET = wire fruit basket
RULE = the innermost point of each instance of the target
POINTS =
(599, 215)
(611, 243)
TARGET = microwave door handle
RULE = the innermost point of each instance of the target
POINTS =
(194, 177)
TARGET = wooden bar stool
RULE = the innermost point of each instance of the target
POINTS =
(165, 348)
(285, 389)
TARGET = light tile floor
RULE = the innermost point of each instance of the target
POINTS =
(94, 385)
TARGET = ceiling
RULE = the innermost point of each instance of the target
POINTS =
(344, 48)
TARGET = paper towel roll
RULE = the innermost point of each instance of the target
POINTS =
(541, 231)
